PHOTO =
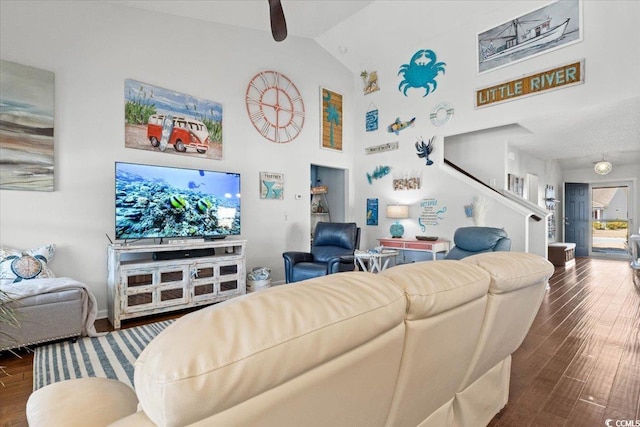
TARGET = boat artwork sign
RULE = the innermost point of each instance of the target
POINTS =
(532, 84)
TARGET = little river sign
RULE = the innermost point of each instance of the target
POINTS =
(533, 84)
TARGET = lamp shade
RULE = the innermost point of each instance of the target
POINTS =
(397, 211)
(603, 167)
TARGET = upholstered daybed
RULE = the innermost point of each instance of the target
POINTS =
(46, 310)
(40, 307)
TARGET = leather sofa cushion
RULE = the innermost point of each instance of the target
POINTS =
(434, 287)
(475, 239)
(522, 270)
(235, 350)
(340, 235)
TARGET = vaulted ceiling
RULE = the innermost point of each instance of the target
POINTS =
(574, 138)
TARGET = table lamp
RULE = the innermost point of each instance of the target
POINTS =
(397, 212)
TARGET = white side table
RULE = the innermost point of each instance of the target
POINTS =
(373, 261)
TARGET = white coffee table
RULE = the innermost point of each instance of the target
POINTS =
(373, 261)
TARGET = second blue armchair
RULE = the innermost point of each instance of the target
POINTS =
(474, 240)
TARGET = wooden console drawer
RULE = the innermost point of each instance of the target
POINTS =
(392, 244)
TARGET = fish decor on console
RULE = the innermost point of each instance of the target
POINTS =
(421, 72)
(399, 125)
(425, 149)
(378, 173)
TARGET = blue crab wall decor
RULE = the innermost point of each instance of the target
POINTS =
(421, 72)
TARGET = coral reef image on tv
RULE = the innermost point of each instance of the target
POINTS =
(159, 202)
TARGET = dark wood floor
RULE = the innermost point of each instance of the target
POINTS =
(580, 363)
(578, 366)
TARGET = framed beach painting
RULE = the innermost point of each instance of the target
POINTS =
(163, 120)
(26, 134)
(551, 27)
(331, 119)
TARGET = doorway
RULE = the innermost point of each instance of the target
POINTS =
(334, 180)
(597, 218)
(610, 219)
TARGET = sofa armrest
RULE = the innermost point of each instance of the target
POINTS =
(83, 402)
(296, 257)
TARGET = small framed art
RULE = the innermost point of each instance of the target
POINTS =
(271, 185)
(372, 211)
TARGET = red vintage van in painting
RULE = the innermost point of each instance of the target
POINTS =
(181, 132)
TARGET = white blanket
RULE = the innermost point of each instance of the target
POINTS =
(28, 288)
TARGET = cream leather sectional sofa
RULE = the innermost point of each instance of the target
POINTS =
(423, 344)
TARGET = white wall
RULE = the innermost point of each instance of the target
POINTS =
(482, 157)
(609, 33)
(92, 47)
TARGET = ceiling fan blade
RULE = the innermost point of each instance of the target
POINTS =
(278, 23)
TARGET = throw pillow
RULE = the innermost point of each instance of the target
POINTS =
(16, 265)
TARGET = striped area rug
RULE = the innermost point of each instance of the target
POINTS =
(109, 356)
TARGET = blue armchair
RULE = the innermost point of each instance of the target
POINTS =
(331, 252)
(474, 240)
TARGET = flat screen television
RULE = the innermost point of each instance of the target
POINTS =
(170, 202)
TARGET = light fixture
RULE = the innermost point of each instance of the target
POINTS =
(603, 167)
(397, 212)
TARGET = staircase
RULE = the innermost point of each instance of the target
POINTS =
(529, 217)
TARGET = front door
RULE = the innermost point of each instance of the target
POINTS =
(576, 217)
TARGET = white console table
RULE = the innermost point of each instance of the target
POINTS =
(140, 284)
